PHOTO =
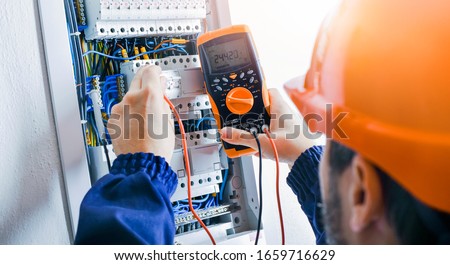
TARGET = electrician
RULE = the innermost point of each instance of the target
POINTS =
(384, 174)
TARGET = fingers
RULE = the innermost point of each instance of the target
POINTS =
(277, 104)
(163, 81)
(151, 81)
(244, 138)
(238, 137)
(148, 77)
(137, 81)
(282, 116)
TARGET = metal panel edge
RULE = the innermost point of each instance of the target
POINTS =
(218, 14)
(65, 105)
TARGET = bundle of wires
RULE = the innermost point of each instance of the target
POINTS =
(93, 134)
(110, 94)
(182, 207)
(113, 57)
(104, 57)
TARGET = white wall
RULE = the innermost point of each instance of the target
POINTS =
(31, 185)
(284, 32)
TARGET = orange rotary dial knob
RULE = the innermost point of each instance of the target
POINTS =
(240, 100)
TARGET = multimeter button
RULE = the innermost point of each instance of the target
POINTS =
(233, 76)
(239, 100)
(250, 72)
(216, 80)
(252, 79)
(242, 75)
(219, 88)
(225, 80)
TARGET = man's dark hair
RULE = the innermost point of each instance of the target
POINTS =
(414, 222)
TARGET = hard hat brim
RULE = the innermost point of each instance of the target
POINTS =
(417, 160)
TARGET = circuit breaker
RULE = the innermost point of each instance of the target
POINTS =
(109, 41)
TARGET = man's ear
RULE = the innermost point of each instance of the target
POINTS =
(366, 198)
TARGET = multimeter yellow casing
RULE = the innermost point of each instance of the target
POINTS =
(234, 82)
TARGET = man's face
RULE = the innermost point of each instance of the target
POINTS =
(332, 202)
(353, 211)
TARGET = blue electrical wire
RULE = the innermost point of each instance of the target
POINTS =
(177, 206)
(106, 103)
(183, 208)
(91, 121)
(110, 104)
(132, 57)
(182, 50)
(222, 187)
(105, 94)
(110, 91)
(197, 126)
(109, 83)
(199, 200)
(208, 204)
(212, 202)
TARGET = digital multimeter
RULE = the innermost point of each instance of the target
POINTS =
(234, 82)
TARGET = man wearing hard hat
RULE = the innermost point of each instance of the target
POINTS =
(380, 68)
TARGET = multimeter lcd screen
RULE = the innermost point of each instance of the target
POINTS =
(228, 55)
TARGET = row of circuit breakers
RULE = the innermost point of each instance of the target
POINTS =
(152, 24)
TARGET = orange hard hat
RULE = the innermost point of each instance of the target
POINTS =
(386, 65)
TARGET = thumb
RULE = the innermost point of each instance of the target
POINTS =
(151, 81)
(238, 137)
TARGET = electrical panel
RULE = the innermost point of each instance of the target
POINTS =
(140, 18)
(110, 40)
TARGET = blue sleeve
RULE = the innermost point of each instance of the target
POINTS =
(131, 205)
(304, 182)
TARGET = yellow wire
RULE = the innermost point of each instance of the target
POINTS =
(94, 138)
(89, 135)
(86, 61)
(105, 50)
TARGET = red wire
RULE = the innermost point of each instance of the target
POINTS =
(280, 212)
(188, 168)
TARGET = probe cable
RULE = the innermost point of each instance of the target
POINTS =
(258, 230)
(105, 149)
(280, 212)
(188, 169)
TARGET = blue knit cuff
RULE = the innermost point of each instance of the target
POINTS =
(303, 178)
(154, 166)
(304, 182)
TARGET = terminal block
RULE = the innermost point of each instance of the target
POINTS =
(139, 18)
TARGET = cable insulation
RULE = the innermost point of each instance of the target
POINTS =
(260, 189)
(277, 160)
(187, 167)
(224, 182)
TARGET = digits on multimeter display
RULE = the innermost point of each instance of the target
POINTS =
(229, 54)
(234, 82)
